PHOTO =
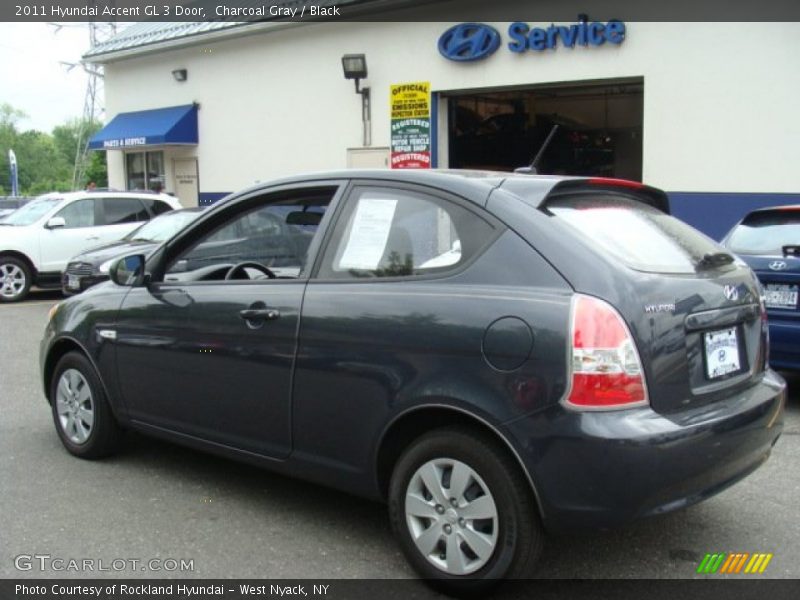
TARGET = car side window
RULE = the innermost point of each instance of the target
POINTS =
(276, 234)
(157, 207)
(80, 213)
(392, 232)
(123, 210)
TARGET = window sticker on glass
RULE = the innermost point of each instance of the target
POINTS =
(368, 234)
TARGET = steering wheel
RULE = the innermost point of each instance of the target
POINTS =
(248, 264)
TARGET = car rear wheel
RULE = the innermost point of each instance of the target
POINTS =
(463, 512)
(15, 279)
(81, 413)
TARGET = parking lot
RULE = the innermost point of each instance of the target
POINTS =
(159, 501)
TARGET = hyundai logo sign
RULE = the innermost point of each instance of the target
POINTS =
(777, 265)
(474, 41)
(469, 41)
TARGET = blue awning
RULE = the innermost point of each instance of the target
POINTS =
(171, 125)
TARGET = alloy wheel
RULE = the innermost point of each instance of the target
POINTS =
(12, 280)
(75, 406)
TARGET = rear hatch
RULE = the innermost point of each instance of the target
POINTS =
(769, 241)
(691, 306)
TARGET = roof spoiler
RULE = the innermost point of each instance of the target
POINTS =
(651, 196)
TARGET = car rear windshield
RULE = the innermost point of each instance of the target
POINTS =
(642, 237)
(766, 232)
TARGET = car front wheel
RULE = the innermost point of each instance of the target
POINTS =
(15, 279)
(81, 412)
(463, 512)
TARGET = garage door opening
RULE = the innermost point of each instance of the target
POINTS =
(596, 129)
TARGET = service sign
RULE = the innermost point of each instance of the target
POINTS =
(410, 106)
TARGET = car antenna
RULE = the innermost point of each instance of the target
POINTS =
(533, 168)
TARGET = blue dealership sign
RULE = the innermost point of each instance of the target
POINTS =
(469, 41)
(474, 41)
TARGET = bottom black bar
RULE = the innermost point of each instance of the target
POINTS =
(388, 589)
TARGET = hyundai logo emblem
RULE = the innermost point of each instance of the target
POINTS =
(731, 293)
(777, 265)
(469, 41)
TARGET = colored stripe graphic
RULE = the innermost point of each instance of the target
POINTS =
(734, 562)
(711, 563)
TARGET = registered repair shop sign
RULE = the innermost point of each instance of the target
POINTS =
(410, 105)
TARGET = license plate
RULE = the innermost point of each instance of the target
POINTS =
(780, 296)
(73, 282)
(722, 353)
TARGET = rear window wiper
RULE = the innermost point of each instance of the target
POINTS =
(716, 259)
(789, 250)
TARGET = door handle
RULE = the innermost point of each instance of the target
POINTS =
(260, 314)
(92, 238)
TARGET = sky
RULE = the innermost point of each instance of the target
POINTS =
(31, 78)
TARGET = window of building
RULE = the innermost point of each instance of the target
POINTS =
(145, 170)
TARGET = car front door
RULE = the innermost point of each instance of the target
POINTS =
(82, 229)
(209, 350)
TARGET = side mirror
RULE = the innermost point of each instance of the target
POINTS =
(128, 271)
(55, 223)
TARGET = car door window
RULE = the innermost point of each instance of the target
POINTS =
(388, 232)
(123, 210)
(276, 233)
(157, 207)
(80, 213)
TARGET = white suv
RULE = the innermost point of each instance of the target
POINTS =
(38, 239)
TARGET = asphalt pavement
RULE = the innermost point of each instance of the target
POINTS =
(157, 501)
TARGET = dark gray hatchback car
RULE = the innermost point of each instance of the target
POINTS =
(495, 355)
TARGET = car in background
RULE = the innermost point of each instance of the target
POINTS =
(91, 267)
(768, 240)
(38, 239)
(9, 205)
(494, 355)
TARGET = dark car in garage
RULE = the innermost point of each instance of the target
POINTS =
(496, 356)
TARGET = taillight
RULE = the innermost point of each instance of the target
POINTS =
(762, 309)
(606, 369)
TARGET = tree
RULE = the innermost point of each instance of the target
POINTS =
(8, 136)
(66, 139)
(45, 162)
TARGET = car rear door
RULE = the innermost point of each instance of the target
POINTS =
(212, 358)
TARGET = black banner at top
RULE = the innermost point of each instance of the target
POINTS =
(122, 11)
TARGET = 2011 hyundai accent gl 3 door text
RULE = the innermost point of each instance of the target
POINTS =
(494, 355)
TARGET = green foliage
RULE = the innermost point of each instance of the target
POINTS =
(45, 162)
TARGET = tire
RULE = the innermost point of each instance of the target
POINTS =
(15, 279)
(81, 413)
(467, 554)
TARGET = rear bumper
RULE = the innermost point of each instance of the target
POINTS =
(784, 343)
(598, 470)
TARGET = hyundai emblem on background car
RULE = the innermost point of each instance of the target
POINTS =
(469, 41)
(731, 293)
(777, 265)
